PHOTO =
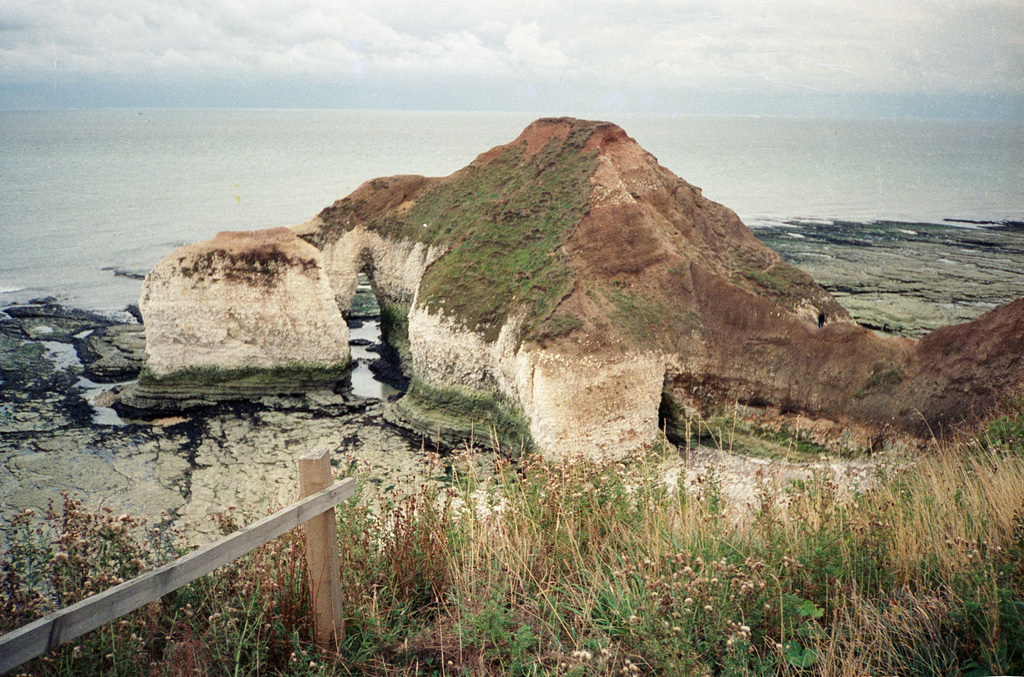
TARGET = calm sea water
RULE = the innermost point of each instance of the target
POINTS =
(85, 194)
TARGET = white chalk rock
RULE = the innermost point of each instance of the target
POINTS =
(242, 300)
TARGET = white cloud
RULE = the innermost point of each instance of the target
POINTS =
(528, 50)
(828, 45)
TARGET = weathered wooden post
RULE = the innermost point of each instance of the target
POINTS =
(321, 535)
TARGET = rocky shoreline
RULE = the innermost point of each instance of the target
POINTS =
(907, 278)
(59, 431)
(60, 368)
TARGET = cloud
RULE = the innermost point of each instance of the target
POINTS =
(530, 51)
(829, 46)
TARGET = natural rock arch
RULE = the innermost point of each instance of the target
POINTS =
(561, 289)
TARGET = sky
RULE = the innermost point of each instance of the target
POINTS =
(935, 58)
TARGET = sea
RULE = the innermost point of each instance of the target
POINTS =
(91, 199)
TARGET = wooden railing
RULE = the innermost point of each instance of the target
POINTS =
(315, 510)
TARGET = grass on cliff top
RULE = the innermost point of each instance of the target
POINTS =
(587, 568)
(505, 223)
(788, 286)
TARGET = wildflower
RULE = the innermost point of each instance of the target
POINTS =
(707, 607)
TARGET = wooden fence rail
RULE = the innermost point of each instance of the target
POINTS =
(60, 627)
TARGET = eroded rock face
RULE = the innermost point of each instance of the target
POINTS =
(571, 279)
(566, 292)
(243, 300)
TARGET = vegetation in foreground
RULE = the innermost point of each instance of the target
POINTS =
(587, 569)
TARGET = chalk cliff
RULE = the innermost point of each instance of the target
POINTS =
(246, 313)
(568, 289)
(567, 292)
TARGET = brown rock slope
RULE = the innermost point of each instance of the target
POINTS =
(572, 242)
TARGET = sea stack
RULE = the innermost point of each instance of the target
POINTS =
(240, 306)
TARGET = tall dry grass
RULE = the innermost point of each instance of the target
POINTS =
(602, 568)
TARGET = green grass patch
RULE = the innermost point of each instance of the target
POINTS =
(786, 284)
(557, 326)
(505, 224)
(882, 379)
(638, 315)
(1006, 432)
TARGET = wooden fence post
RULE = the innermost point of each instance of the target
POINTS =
(322, 568)
(71, 622)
